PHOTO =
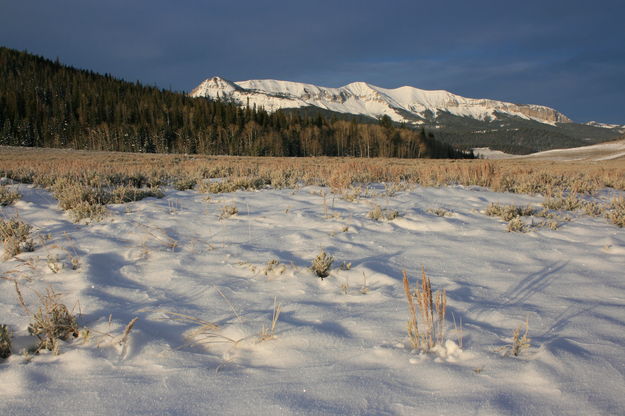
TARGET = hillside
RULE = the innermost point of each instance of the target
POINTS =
(460, 121)
(44, 103)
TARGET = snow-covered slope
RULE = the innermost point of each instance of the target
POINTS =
(404, 104)
(617, 127)
(597, 152)
(603, 151)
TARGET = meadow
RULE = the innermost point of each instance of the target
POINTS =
(185, 284)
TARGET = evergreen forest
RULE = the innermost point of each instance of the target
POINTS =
(44, 103)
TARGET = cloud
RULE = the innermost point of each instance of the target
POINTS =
(536, 51)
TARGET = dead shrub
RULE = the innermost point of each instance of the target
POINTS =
(441, 212)
(379, 214)
(5, 341)
(561, 202)
(81, 201)
(123, 194)
(86, 211)
(516, 225)
(321, 264)
(233, 184)
(508, 212)
(183, 184)
(228, 211)
(616, 212)
(15, 235)
(52, 321)
(593, 209)
(8, 196)
(71, 193)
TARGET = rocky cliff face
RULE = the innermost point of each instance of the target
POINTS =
(404, 104)
(544, 113)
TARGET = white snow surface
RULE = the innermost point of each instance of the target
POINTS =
(619, 127)
(367, 99)
(597, 152)
(488, 153)
(333, 353)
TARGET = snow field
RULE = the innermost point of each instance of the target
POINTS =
(338, 349)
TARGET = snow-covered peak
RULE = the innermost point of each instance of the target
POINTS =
(403, 104)
(214, 84)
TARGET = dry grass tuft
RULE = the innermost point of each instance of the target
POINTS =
(432, 309)
(204, 332)
(7, 196)
(15, 235)
(563, 202)
(593, 209)
(616, 213)
(321, 264)
(228, 211)
(270, 333)
(123, 341)
(441, 212)
(379, 214)
(232, 184)
(125, 193)
(508, 212)
(519, 342)
(184, 184)
(516, 224)
(81, 201)
(52, 321)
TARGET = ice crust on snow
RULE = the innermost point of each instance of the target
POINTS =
(334, 353)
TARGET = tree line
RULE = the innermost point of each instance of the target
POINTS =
(46, 104)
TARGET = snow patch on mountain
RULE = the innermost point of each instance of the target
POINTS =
(618, 127)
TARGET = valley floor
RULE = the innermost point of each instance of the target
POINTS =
(340, 344)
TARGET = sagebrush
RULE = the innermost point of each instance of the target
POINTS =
(16, 237)
(8, 196)
(5, 341)
(52, 322)
(322, 264)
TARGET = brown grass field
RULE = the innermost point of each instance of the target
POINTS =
(45, 166)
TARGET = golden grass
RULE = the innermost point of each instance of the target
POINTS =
(270, 333)
(432, 309)
(44, 166)
(519, 344)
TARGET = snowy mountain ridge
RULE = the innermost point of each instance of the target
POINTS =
(617, 127)
(403, 104)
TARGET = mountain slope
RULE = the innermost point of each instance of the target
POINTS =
(404, 104)
(46, 104)
(462, 122)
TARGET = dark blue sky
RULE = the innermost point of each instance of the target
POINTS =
(569, 55)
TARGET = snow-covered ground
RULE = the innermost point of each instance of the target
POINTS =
(603, 151)
(338, 349)
(611, 150)
(488, 153)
